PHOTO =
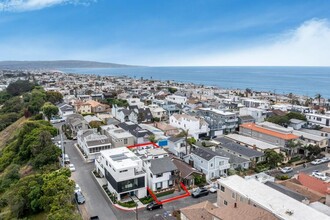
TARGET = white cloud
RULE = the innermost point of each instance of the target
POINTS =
(30, 5)
(307, 45)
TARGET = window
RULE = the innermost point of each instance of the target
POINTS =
(159, 175)
(125, 141)
(221, 163)
(222, 188)
(170, 183)
(241, 198)
(225, 202)
(159, 185)
(123, 171)
(211, 164)
(233, 195)
(106, 162)
(151, 175)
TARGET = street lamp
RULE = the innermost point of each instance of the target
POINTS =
(136, 208)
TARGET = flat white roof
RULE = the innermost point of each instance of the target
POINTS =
(271, 199)
(309, 136)
(220, 112)
(121, 158)
(251, 141)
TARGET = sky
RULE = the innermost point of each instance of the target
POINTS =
(168, 32)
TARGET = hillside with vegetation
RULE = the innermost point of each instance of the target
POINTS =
(32, 182)
(58, 64)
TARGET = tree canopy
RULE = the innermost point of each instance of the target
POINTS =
(19, 87)
(49, 110)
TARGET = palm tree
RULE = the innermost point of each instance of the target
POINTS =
(191, 141)
(318, 96)
(184, 133)
(152, 138)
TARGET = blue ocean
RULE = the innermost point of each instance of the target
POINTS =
(283, 80)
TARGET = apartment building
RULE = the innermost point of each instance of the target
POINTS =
(92, 143)
(197, 127)
(123, 171)
(318, 119)
(118, 136)
(236, 190)
(181, 100)
(270, 135)
(219, 121)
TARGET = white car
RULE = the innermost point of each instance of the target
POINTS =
(77, 188)
(71, 167)
(325, 159)
(317, 161)
(286, 169)
(319, 175)
(213, 189)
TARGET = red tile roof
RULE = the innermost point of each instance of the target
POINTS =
(277, 134)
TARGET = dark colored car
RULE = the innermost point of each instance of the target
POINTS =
(80, 198)
(200, 192)
(154, 205)
(94, 218)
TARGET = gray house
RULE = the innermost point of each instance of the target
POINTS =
(240, 150)
(209, 162)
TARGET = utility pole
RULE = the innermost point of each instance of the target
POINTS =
(62, 147)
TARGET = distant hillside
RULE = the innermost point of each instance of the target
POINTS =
(57, 64)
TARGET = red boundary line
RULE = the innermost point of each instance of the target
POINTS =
(142, 145)
(169, 199)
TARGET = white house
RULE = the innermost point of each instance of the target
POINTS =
(65, 109)
(318, 119)
(209, 162)
(259, 115)
(176, 145)
(92, 143)
(197, 127)
(181, 100)
(157, 112)
(118, 136)
(161, 173)
(123, 171)
(159, 167)
(135, 102)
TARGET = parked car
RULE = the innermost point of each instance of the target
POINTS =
(80, 198)
(94, 217)
(317, 161)
(154, 205)
(71, 167)
(325, 159)
(200, 192)
(213, 189)
(319, 175)
(66, 158)
(77, 188)
(286, 169)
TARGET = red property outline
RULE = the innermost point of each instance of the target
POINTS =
(142, 145)
(150, 191)
(169, 199)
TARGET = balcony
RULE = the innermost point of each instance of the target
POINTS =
(139, 172)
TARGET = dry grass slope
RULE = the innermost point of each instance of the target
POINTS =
(6, 134)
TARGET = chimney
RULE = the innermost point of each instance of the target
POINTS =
(235, 205)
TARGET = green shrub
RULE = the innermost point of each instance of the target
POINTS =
(129, 204)
(294, 159)
(146, 200)
(282, 177)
